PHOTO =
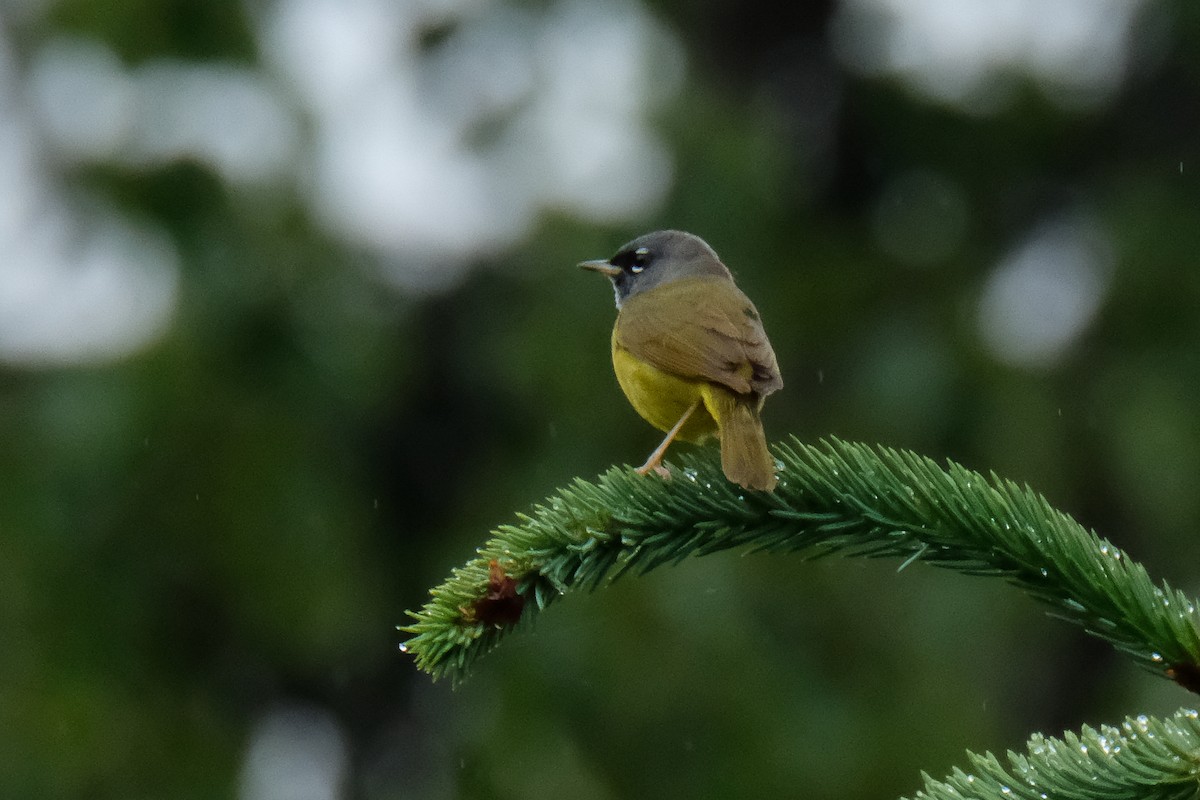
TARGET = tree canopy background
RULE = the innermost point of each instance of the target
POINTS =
(289, 319)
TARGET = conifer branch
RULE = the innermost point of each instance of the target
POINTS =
(833, 497)
(1144, 759)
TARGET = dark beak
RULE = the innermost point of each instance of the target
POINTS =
(601, 266)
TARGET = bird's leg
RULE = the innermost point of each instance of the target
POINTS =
(654, 462)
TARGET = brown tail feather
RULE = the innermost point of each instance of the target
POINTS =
(744, 455)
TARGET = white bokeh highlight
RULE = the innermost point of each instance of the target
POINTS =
(1041, 297)
(229, 118)
(963, 53)
(428, 153)
(295, 752)
(78, 282)
(437, 156)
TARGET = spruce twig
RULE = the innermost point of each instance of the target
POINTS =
(833, 497)
(865, 501)
(1143, 759)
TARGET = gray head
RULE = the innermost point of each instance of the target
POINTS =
(657, 258)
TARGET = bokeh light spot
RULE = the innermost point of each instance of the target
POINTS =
(1042, 296)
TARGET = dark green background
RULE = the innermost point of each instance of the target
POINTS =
(234, 519)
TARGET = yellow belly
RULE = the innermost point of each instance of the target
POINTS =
(661, 398)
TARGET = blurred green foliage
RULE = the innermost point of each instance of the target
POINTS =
(233, 520)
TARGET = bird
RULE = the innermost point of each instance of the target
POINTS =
(690, 352)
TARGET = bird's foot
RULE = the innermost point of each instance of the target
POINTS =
(655, 467)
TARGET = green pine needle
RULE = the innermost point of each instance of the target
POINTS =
(836, 497)
(1144, 759)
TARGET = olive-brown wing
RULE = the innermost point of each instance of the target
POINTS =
(703, 328)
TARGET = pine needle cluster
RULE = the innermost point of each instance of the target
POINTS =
(856, 500)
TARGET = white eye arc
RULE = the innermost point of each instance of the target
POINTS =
(639, 256)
